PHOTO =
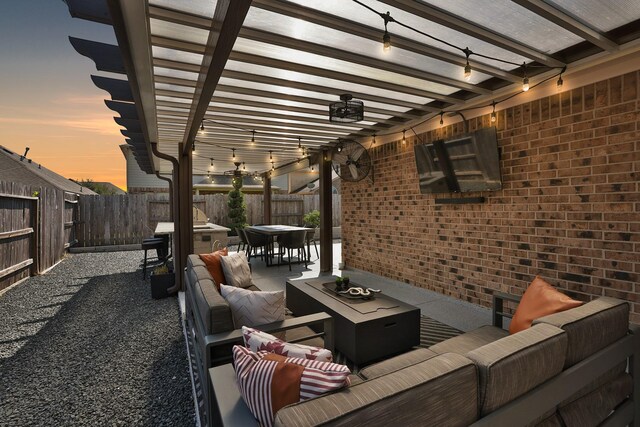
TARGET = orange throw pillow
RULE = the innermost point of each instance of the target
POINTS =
(212, 261)
(540, 299)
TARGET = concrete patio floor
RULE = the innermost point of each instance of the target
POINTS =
(459, 314)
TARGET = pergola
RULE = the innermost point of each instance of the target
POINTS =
(211, 82)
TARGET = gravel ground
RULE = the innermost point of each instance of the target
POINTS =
(86, 344)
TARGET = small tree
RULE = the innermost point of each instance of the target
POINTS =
(237, 207)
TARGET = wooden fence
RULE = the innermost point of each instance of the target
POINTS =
(36, 226)
(127, 219)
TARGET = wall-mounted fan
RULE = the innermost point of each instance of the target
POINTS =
(351, 161)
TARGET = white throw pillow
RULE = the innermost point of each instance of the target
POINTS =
(236, 270)
(253, 308)
(256, 341)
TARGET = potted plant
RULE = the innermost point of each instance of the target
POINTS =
(312, 219)
(162, 278)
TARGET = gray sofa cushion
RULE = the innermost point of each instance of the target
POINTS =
(440, 391)
(593, 408)
(590, 327)
(469, 341)
(210, 306)
(513, 365)
(396, 363)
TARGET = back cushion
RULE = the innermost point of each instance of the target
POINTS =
(590, 327)
(441, 391)
(511, 366)
(210, 306)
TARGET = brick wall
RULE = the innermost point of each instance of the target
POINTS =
(569, 209)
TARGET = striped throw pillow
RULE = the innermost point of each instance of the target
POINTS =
(269, 381)
(256, 340)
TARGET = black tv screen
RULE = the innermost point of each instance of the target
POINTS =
(467, 163)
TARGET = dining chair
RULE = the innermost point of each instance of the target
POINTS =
(290, 241)
(243, 239)
(255, 241)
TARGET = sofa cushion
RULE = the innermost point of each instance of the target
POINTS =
(593, 408)
(214, 265)
(236, 270)
(395, 363)
(253, 308)
(270, 381)
(513, 365)
(437, 392)
(540, 299)
(591, 327)
(256, 341)
(210, 306)
(551, 421)
(469, 341)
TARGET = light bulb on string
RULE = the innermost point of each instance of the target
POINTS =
(233, 153)
(493, 113)
(270, 155)
(386, 37)
(467, 67)
(273, 166)
(300, 144)
(253, 137)
(404, 139)
(441, 118)
(244, 168)
(525, 80)
(373, 142)
(212, 163)
(193, 147)
(202, 126)
(560, 82)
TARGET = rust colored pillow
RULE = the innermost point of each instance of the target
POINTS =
(540, 299)
(212, 261)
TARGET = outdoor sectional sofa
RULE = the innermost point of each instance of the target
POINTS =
(574, 368)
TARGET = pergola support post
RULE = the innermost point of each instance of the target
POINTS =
(266, 216)
(326, 212)
(185, 202)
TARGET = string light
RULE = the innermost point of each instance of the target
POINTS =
(212, 163)
(441, 118)
(467, 67)
(311, 168)
(273, 166)
(560, 82)
(244, 168)
(339, 146)
(233, 153)
(270, 155)
(300, 144)
(373, 142)
(253, 137)
(404, 139)
(525, 80)
(493, 113)
(193, 147)
(386, 37)
(202, 125)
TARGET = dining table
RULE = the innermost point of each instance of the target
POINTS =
(273, 231)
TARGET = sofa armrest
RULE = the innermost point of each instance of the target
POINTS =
(497, 310)
(235, 336)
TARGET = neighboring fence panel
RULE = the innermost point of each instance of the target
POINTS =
(127, 219)
(70, 219)
(18, 233)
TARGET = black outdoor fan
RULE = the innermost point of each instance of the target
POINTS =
(351, 161)
(347, 110)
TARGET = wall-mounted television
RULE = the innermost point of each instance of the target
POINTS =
(470, 162)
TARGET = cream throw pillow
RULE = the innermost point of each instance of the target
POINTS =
(253, 308)
(236, 270)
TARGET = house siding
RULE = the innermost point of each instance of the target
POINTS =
(569, 209)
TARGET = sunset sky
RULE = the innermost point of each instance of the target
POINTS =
(47, 99)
